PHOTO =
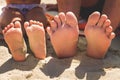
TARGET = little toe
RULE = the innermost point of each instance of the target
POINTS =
(71, 19)
(101, 20)
(112, 35)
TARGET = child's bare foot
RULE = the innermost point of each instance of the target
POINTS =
(14, 39)
(99, 35)
(64, 34)
(36, 36)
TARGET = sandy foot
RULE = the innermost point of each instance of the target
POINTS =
(14, 39)
(36, 35)
(99, 35)
(64, 34)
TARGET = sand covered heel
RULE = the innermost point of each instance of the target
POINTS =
(20, 53)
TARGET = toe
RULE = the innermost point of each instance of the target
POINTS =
(9, 26)
(49, 31)
(106, 23)
(17, 24)
(93, 19)
(57, 20)
(112, 35)
(31, 22)
(34, 22)
(40, 24)
(71, 19)
(26, 24)
(53, 25)
(62, 17)
(5, 29)
(101, 20)
(37, 22)
(108, 30)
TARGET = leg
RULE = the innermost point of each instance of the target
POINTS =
(14, 39)
(52, 7)
(111, 8)
(36, 36)
(99, 34)
(10, 15)
(64, 34)
(70, 5)
(37, 14)
(88, 3)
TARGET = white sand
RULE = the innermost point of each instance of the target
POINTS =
(79, 67)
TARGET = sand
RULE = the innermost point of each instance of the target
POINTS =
(79, 67)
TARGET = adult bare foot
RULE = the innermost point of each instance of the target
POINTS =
(64, 34)
(14, 39)
(99, 35)
(36, 36)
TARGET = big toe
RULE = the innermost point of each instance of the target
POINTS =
(17, 24)
(26, 24)
(71, 19)
(93, 19)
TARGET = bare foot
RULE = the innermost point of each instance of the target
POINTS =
(99, 35)
(64, 34)
(36, 36)
(14, 39)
